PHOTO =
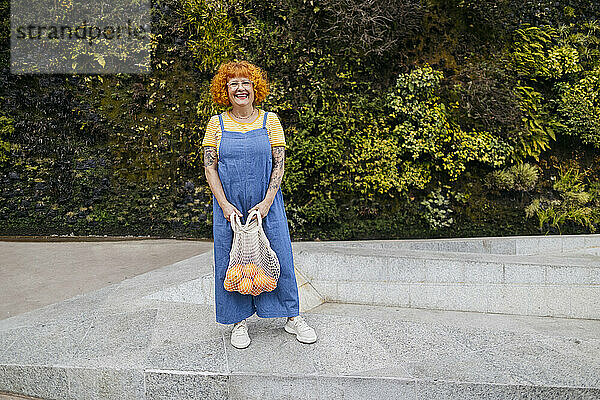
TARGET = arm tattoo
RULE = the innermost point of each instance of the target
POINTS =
(210, 156)
(277, 171)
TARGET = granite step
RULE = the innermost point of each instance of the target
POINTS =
(561, 285)
(516, 245)
(373, 352)
(154, 336)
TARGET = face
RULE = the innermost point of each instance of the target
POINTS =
(242, 92)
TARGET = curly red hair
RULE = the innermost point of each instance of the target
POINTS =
(243, 69)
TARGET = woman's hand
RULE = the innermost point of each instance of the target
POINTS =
(229, 209)
(262, 207)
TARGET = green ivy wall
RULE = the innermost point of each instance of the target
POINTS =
(409, 118)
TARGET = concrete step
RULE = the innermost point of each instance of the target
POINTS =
(154, 336)
(175, 351)
(566, 285)
(202, 291)
(516, 245)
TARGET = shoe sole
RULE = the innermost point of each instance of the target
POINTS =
(240, 347)
(289, 330)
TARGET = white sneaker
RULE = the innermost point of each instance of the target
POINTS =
(239, 335)
(300, 328)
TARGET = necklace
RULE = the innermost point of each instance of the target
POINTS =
(248, 117)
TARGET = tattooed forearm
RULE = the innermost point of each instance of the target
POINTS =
(210, 156)
(277, 171)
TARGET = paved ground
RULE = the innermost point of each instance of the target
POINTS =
(34, 273)
(79, 267)
(150, 333)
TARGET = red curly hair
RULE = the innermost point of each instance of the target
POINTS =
(244, 69)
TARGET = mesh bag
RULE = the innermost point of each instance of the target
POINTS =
(253, 266)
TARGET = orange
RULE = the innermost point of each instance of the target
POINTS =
(260, 280)
(229, 285)
(234, 274)
(237, 276)
(250, 270)
(271, 284)
(245, 286)
(256, 290)
(238, 267)
(229, 274)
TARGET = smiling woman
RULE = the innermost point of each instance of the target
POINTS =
(244, 152)
(242, 86)
(241, 94)
(242, 69)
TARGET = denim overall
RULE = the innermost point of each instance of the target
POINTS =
(244, 166)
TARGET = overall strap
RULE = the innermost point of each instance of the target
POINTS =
(221, 122)
(265, 120)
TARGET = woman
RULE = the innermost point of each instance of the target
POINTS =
(244, 151)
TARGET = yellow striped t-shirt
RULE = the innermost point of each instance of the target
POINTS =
(212, 137)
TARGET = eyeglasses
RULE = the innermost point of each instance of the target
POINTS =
(235, 84)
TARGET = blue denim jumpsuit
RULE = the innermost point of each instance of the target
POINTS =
(244, 166)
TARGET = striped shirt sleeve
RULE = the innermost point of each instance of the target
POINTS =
(210, 136)
(275, 130)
